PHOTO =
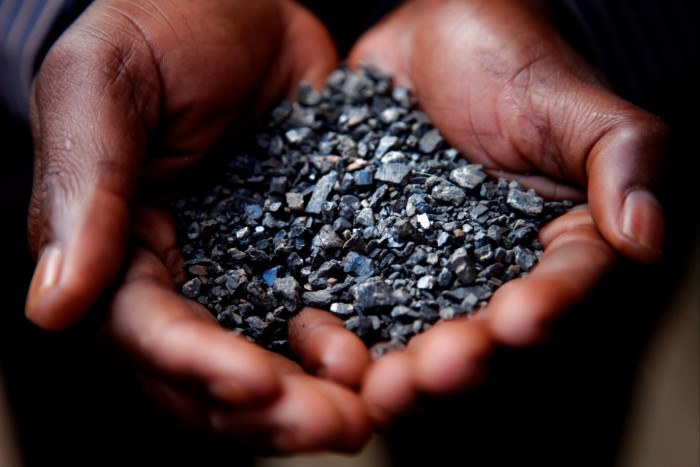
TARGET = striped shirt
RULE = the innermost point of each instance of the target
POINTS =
(637, 43)
(25, 27)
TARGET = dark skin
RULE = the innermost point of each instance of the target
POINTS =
(150, 95)
(504, 89)
(151, 91)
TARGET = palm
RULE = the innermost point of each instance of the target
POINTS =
(152, 88)
(159, 84)
(488, 81)
(220, 383)
(507, 92)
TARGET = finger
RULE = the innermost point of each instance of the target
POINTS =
(156, 230)
(611, 147)
(623, 171)
(576, 258)
(507, 91)
(176, 339)
(448, 358)
(389, 388)
(326, 348)
(543, 185)
(91, 131)
(309, 52)
(388, 45)
(310, 415)
(451, 356)
(89, 142)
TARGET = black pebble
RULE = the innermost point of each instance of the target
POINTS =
(350, 201)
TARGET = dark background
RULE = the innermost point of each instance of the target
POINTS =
(562, 403)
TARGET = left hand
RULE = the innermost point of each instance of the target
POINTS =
(505, 89)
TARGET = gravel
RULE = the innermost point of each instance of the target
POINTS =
(349, 200)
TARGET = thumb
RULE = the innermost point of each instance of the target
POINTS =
(612, 148)
(88, 153)
(507, 91)
(623, 167)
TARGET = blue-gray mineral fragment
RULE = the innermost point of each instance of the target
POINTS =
(350, 201)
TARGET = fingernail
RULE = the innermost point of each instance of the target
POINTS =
(46, 276)
(642, 220)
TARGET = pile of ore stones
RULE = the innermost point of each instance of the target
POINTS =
(350, 201)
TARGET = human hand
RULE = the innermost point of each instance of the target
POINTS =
(221, 384)
(132, 94)
(510, 94)
(504, 88)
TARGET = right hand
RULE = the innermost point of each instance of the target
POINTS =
(219, 383)
(132, 94)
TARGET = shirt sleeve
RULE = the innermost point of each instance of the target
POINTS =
(636, 43)
(26, 26)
